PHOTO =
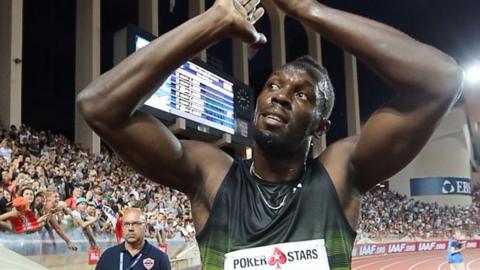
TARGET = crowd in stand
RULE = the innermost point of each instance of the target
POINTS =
(56, 185)
(48, 183)
(388, 215)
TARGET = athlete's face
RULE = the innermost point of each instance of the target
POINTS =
(286, 112)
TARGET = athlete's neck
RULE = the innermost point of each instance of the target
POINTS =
(134, 248)
(275, 169)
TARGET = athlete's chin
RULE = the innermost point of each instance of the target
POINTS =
(272, 140)
(272, 133)
(277, 130)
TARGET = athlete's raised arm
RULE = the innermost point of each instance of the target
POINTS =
(109, 103)
(425, 79)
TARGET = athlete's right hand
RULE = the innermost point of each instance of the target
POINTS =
(242, 15)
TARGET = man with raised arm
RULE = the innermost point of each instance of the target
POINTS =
(283, 208)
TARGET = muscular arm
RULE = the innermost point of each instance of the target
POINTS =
(109, 103)
(425, 79)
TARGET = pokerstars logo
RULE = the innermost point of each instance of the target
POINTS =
(277, 259)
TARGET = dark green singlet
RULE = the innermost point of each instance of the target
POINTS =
(241, 220)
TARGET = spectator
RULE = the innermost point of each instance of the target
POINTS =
(23, 135)
(6, 150)
(38, 203)
(21, 219)
(29, 195)
(3, 201)
(85, 221)
(155, 230)
(53, 222)
(12, 134)
(72, 201)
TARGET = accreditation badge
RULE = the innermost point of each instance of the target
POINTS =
(305, 255)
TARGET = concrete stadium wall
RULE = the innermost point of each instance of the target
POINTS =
(476, 177)
(447, 154)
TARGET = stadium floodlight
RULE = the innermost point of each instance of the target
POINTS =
(473, 73)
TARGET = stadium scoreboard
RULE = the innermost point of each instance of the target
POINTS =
(195, 93)
(211, 101)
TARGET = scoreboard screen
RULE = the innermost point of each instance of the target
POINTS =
(195, 93)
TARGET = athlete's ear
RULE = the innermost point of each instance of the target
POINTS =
(322, 127)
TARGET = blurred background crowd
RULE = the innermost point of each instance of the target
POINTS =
(388, 215)
(50, 184)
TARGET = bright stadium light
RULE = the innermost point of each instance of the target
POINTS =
(473, 73)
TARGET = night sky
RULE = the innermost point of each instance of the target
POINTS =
(49, 49)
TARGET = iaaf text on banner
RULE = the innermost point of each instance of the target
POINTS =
(402, 247)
